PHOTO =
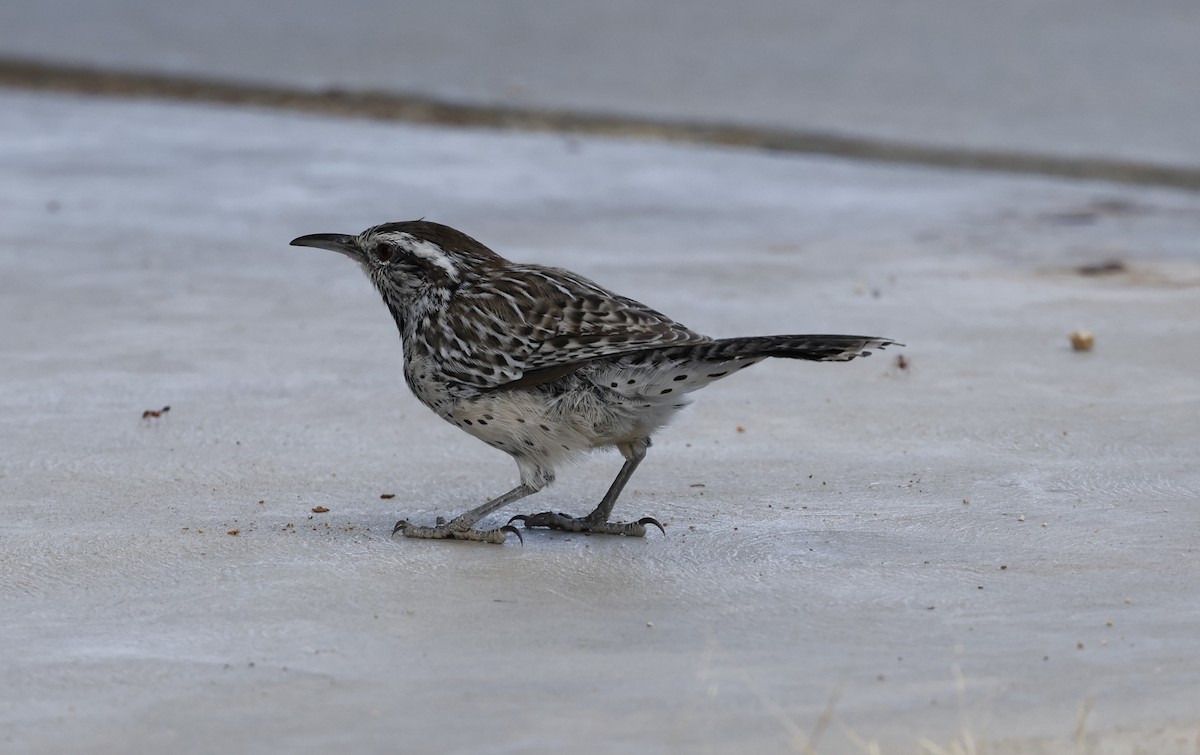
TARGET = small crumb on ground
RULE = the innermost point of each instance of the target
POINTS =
(1082, 340)
(319, 510)
(1111, 267)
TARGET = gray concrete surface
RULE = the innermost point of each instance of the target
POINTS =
(1090, 78)
(967, 552)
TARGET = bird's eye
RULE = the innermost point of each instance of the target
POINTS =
(384, 253)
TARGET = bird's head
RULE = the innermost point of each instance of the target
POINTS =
(410, 256)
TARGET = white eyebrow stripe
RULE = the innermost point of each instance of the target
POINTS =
(431, 253)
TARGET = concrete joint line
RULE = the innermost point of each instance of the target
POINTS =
(52, 77)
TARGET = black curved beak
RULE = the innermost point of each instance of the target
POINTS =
(334, 242)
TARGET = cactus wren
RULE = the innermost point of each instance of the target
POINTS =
(542, 363)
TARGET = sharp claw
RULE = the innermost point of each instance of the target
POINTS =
(399, 526)
(522, 518)
(651, 520)
(514, 530)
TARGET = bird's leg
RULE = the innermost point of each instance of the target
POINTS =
(461, 527)
(597, 521)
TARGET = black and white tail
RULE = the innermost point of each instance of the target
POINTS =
(815, 348)
(661, 375)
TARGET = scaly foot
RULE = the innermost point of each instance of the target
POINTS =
(443, 531)
(569, 523)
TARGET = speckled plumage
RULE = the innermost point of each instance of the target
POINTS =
(542, 363)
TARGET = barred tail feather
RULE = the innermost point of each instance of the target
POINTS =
(816, 348)
(672, 369)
